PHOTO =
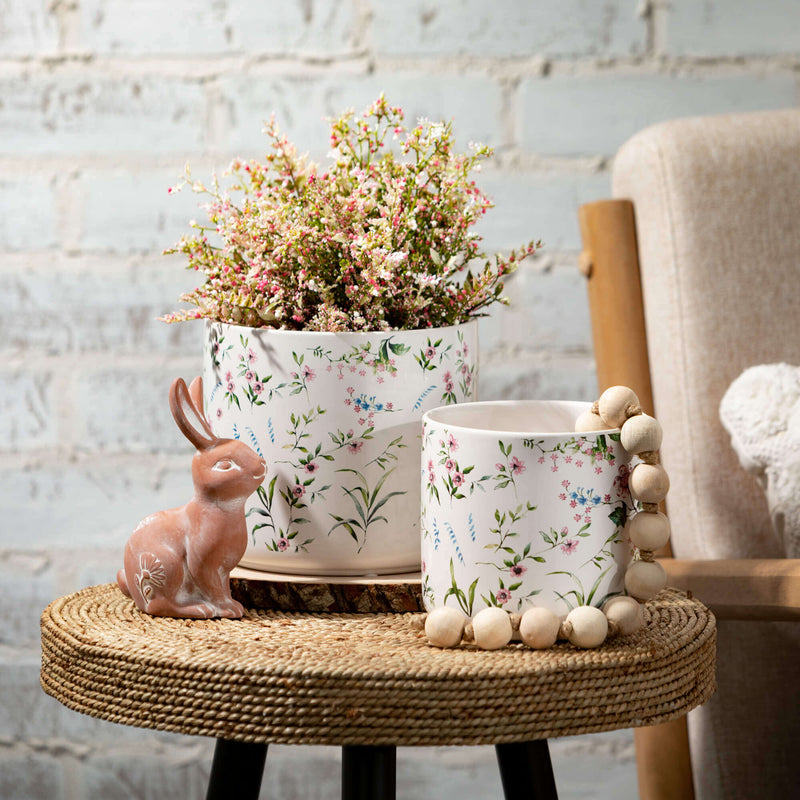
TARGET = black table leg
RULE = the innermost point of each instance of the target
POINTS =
(236, 771)
(368, 773)
(526, 771)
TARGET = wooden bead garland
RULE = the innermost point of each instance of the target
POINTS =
(648, 530)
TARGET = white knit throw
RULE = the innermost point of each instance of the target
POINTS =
(761, 411)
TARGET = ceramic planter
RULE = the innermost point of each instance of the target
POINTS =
(337, 417)
(518, 511)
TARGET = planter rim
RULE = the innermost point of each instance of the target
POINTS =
(443, 414)
(335, 334)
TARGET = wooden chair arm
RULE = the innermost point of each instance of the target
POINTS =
(754, 589)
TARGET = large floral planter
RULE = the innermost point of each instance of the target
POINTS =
(519, 511)
(337, 417)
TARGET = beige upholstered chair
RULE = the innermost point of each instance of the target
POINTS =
(716, 203)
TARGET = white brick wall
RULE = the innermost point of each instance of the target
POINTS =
(102, 102)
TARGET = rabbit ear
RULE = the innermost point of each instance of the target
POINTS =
(191, 422)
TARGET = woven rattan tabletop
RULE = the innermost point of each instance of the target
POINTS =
(339, 679)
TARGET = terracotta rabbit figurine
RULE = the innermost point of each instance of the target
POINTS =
(178, 562)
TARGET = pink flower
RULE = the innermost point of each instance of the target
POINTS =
(499, 467)
(573, 503)
(565, 530)
(562, 496)
(449, 465)
(309, 373)
(298, 490)
(458, 478)
(448, 387)
(283, 544)
(231, 386)
(502, 596)
(568, 459)
(517, 570)
(431, 477)
(249, 376)
(452, 442)
(554, 468)
(447, 377)
(258, 387)
(606, 498)
(565, 484)
(251, 355)
(517, 466)
(579, 463)
(569, 546)
(430, 352)
(598, 470)
(228, 376)
(354, 447)
(577, 518)
(219, 413)
(430, 465)
(311, 467)
(541, 460)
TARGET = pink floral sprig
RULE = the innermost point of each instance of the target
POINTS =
(377, 240)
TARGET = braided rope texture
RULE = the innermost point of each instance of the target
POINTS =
(337, 679)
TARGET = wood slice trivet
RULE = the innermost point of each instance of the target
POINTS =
(327, 594)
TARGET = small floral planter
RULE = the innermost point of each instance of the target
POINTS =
(337, 417)
(518, 511)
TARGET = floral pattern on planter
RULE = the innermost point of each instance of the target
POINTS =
(515, 521)
(337, 418)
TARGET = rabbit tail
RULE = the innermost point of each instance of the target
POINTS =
(122, 582)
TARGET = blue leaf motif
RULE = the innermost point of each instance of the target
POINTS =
(254, 442)
(436, 539)
(423, 396)
(454, 542)
(236, 432)
(213, 392)
(471, 527)
(271, 431)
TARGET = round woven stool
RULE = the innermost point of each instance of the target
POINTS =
(364, 680)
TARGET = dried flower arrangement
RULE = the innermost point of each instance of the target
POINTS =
(379, 240)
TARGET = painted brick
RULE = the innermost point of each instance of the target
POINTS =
(83, 111)
(27, 410)
(507, 28)
(537, 379)
(133, 212)
(537, 206)
(127, 410)
(179, 772)
(596, 114)
(732, 27)
(94, 502)
(71, 306)
(194, 27)
(29, 777)
(28, 27)
(548, 313)
(302, 103)
(27, 214)
(27, 585)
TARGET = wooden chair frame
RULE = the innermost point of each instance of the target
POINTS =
(745, 589)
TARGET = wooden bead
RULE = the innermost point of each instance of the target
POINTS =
(645, 579)
(589, 422)
(589, 626)
(491, 628)
(648, 530)
(444, 626)
(641, 434)
(614, 403)
(538, 628)
(649, 483)
(626, 612)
